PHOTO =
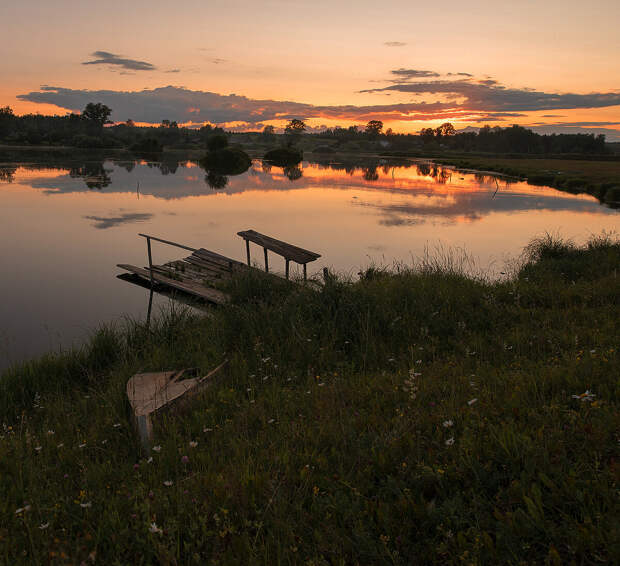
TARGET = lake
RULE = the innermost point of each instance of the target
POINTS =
(65, 225)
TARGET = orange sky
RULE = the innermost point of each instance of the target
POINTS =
(321, 54)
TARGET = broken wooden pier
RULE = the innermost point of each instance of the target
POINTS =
(201, 273)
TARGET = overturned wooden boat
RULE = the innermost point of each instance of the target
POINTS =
(202, 273)
(155, 392)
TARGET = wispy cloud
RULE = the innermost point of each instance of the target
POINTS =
(104, 222)
(173, 71)
(107, 58)
(394, 43)
(408, 74)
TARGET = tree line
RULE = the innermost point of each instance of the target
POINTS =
(92, 129)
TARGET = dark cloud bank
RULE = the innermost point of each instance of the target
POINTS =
(460, 94)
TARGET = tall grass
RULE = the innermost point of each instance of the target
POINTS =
(415, 415)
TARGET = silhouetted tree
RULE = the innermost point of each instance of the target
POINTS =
(97, 113)
(217, 142)
(294, 129)
(445, 130)
(427, 135)
(374, 127)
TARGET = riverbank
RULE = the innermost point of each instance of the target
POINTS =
(414, 415)
(599, 178)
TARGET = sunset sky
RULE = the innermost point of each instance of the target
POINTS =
(552, 65)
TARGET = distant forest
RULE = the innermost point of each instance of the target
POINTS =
(91, 129)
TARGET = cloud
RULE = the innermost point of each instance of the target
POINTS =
(459, 75)
(106, 58)
(394, 43)
(407, 74)
(487, 96)
(173, 71)
(102, 222)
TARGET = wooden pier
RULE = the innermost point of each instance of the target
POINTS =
(200, 273)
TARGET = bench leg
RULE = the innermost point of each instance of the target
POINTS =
(305, 274)
(247, 250)
(266, 261)
(287, 262)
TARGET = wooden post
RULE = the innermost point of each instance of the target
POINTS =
(305, 274)
(266, 261)
(247, 250)
(148, 247)
(287, 268)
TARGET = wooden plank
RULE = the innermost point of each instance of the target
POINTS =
(211, 295)
(214, 269)
(200, 272)
(208, 254)
(288, 251)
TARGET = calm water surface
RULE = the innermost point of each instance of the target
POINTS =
(65, 227)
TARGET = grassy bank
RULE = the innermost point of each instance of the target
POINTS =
(596, 177)
(415, 416)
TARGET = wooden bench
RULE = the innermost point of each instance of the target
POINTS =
(287, 251)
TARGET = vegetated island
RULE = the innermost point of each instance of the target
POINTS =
(569, 162)
(415, 414)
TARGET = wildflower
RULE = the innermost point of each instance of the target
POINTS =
(116, 425)
(150, 460)
(82, 445)
(168, 483)
(136, 466)
(22, 509)
(104, 441)
(155, 529)
(447, 424)
(472, 401)
(157, 448)
(265, 360)
(586, 396)
(60, 445)
(50, 432)
(206, 429)
(44, 526)
(193, 444)
(86, 505)
(271, 421)
(450, 441)
(185, 459)
(38, 448)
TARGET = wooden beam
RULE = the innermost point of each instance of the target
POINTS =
(167, 242)
(266, 261)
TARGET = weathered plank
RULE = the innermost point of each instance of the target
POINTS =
(211, 295)
(286, 250)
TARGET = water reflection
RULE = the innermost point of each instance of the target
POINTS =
(419, 192)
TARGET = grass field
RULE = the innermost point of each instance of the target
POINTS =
(416, 416)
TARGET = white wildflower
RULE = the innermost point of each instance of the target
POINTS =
(157, 448)
(22, 509)
(450, 441)
(472, 401)
(447, 424)
(38, 448)
(155, 529)
(86, 505)
(168, 483)
(44, 526)
(586, 396)
(50, 432)
(193, 444)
